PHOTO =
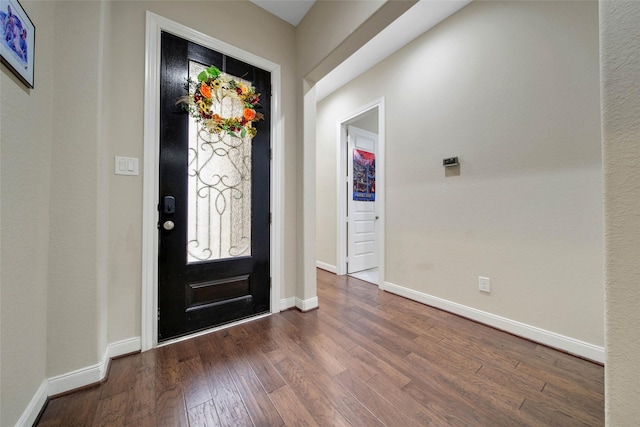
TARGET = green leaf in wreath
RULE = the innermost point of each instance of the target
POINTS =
(202, 76)
(243, 133)
(213, 71)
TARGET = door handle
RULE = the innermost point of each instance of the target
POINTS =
(168, 225)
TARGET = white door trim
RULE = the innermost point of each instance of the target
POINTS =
(342, 193)
(154, 25)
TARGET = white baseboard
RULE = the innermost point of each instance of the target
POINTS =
(287, 303)
(302, 305)
(307, 304)
(130, 345)
(34, 407)
(95, 373)
(328, 267)
(551, 339)
(76, 379)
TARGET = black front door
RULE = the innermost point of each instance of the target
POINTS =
(214, 221)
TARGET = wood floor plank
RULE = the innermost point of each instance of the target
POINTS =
(301, 366)
(52, 414)
(260, 336)
(591, 406)
(228, 402)
(194, 382)
(265, 372)
(239, 351)
(491, 401)
(310, 395)
(243, 358)
(342, 355)
(331, 328)
(471, 348)
(186, 349)
(323, 359)
(170, 406)
(445, 356)
(452, 409)
(428, 412)
(146, 421)
(258, 403)
(291, 409)
(380, 407)
(81, 407)
(369, 334)
(208, 351)
(142, 402)
(121, 371)
(511, 379)
(203, 415)
(364, 358)
(579, 367)
(553, 375)
(372, 366)
(550, 412)
(112, 410)
(415, 324)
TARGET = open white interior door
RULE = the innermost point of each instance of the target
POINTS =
(361, 205)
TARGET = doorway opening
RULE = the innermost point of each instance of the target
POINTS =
(155, 26)
(361, 198)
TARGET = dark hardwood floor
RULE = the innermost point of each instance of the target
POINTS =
(365, 358)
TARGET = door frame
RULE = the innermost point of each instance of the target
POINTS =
(342, 193)
(155, 24)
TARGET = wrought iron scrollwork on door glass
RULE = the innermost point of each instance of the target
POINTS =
(219, 187)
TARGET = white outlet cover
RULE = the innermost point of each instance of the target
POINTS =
(484, 284)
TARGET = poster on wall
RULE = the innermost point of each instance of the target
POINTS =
(364, 176)
(18, 40)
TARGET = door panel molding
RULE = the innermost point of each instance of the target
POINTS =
(155, 24)
(342, 193)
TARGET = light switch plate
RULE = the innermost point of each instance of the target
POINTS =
(126, 166)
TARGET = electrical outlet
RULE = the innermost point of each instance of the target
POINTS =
(484, 284)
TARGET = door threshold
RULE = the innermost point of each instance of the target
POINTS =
(214, 329)
(371, 275)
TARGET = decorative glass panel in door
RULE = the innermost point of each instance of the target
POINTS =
(219, 183)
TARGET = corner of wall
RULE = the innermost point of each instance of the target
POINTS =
(620, 99)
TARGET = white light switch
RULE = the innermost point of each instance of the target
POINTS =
(126, 166)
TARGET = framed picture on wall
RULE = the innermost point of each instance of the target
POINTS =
(17, 43)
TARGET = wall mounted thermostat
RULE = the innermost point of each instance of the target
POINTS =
(450, 161)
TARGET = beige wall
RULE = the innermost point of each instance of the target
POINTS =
(74, 303)
(71, 230)
(326, 26)
(25, 147)
(620, 62)
(512, 88)
(332, 31)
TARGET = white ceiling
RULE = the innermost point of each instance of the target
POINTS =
(291, 11)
